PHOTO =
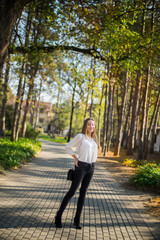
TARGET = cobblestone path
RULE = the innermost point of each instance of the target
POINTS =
(30, 197)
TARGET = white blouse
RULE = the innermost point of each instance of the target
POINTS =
(86, 148)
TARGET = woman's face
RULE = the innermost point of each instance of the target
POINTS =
(90, 126)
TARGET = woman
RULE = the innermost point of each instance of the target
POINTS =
(86, 149)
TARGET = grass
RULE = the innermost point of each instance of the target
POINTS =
(13, 154)
(58, 139)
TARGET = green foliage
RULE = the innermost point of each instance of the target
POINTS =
(40, 130)
(113, 32)
(31, 133)
(134, 162)
(148, 177)
(9, 117)
(130, 162)
(138, 163)
(12, 154)
(7, 132)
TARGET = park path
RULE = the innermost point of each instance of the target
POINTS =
(30, 197)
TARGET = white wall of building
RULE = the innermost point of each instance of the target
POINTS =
(157, 143)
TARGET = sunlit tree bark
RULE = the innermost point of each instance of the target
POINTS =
(122, 116)
(4, 97)
(132, 130)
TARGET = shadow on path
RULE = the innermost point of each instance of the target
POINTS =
(30, 197)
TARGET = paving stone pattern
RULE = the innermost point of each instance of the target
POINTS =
(30, 197)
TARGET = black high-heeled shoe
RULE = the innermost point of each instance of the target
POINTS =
(77, 225)
(58, 222)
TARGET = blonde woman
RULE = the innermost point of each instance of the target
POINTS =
(85, 158)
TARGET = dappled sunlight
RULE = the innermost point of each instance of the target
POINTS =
(31, 196)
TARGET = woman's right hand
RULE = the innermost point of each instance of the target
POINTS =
(76, 162)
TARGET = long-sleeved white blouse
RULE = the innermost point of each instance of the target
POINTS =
(86, 148)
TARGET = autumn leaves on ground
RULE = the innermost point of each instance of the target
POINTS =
(122, 173)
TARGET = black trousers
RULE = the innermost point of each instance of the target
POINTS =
(83, 175)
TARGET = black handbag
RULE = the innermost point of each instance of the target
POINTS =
(70, 175)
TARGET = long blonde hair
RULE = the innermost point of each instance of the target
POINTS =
(84, 128)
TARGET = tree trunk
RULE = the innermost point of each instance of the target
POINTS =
(143, 154)
(150, 126)
(105, 110)
(4, 98)
(110, 131)
(31, 85)
(127, 122)
(154, 129)
(109, 116)
(130, 146)
(92, 88)
(86, 105)
(105, 118)
(13, 136)
(1, 77)
(144, 109)
(144, 115)
(146, 140)
(121, 117)
(20, 106)
(17, 110)
(9, 12)
(32, 109)
(34, 61)
(99, 117)
(59, 88)
(72, 111)
(37, 108)
(37, 114)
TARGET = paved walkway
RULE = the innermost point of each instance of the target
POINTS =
(30, 197)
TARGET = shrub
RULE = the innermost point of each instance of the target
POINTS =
(130, 162)
(31, 133)
(40, 130)
(7, 132)
(134, 162)
(12, 154)
(148, 176)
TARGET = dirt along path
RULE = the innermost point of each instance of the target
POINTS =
(147, 202)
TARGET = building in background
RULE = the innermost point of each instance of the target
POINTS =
(46, 114)
(157, 140)
(40, 113)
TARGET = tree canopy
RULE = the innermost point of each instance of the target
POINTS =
(101, 55)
